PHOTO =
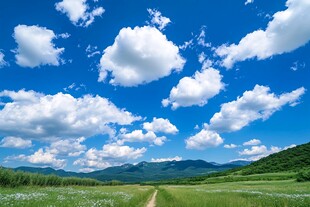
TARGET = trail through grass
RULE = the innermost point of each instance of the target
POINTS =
(152, 201)
(286, 193)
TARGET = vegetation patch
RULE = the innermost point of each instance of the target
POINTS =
(108, 196)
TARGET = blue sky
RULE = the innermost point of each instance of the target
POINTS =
(88, 84)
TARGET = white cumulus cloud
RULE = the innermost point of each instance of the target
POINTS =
(255, 150)
(258, 152)
(176, 158)
(15, 142)
(139, 136)
(79, 12)
(230, 146)
(41, 158)
(204, 139)
(110, 155)
(160, 125)
(259, 103)
(287, 31)
(157, 19)
(196, 90)
(68, 147)
(35, 46)
(33, 115)
(138, 56)
(252, 142)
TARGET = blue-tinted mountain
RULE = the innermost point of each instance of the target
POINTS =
(143, 171)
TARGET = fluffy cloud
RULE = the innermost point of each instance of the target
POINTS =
(110, 155)
(252, 142)
(230, 146)
(253, 105)
(157, 19)
(287, 31)
(160, 125)
(45, 158)
(204, 139)
(138, 136)
(15, 142)
(2, 61)
(79, 12)
(87, 170)
(233, 116)
(176, 158)
(196, 90)
(41, 158)
(258, 152)
(33, 115)
(255, 150)
(69, 147)
(35, 46)
(138, 56)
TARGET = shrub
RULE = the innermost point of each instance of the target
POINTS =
(303, 176)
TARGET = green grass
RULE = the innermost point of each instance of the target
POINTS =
(108, 196)
(284, 193)
(229, 176)
(254, 177)
(236, 194)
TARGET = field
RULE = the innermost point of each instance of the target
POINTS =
(288, 193)
(235, 194)
(109, 196)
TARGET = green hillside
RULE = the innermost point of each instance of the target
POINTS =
(293, 163)
(293, 159)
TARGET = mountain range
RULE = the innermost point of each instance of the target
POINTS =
(145, 171)
(290, 160)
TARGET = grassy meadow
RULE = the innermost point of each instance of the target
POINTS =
(76, 196)
(287, 193)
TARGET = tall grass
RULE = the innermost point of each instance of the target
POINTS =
(224, 177)
(10, 178)
(245, 194)
(76, 196)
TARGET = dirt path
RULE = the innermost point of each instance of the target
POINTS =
(152, 202)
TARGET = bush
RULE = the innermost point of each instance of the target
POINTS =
(303, 176)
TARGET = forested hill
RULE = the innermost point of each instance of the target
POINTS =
(145, 171)
(292, 159)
